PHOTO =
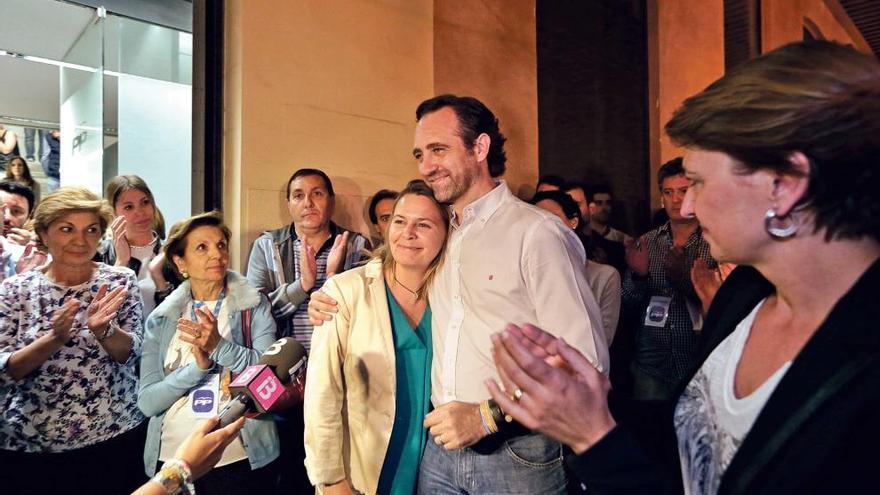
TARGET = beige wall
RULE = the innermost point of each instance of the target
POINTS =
(334, 85)
(325, 84)
(488, 50)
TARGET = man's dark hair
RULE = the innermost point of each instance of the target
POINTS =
(568, 205)
(554, 180)
(20, 189)
(670, 169)
(474, 118)
(571, 186)
(305, 172)
(598, 190)
(379, 196)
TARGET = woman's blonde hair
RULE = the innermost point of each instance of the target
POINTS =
(121, 183)
(66, 200)
(417, 188)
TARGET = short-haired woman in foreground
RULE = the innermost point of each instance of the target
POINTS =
(783, 153)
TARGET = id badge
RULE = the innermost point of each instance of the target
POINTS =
(205, 397)
(658, 311)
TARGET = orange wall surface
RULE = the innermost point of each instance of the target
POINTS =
(686, 54)
(782, 21)
(488, 50)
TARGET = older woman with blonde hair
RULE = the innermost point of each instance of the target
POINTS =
(70, 336)
(214, 324)
(368, 385)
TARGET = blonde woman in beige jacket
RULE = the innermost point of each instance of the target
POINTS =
(369, 375)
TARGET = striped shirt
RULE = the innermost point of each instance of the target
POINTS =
(302, 329)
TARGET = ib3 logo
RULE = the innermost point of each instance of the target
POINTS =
(203, 401)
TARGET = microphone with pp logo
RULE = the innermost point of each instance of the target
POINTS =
(264, 387)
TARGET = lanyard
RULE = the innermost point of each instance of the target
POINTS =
(198, 304)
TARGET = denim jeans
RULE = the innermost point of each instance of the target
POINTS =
(529, 464)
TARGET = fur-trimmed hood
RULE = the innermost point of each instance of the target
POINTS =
(240, 295)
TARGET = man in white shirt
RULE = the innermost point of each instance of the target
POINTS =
(506, 262)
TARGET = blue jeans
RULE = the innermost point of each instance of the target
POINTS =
(529, 464)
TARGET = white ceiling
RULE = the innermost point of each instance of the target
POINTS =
(42, 28)
(37, 28)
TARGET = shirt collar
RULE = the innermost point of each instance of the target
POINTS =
(483, 208)
(666, 229)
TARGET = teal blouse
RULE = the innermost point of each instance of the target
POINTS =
(413, 353)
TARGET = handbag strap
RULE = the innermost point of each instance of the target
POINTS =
(246, 319)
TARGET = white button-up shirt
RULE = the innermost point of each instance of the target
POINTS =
(506, 262)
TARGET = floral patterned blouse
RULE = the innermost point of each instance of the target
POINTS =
(80, 396)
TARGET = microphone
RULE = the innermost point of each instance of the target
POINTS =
(263, 387)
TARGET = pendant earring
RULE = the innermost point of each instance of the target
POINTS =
(779, 227)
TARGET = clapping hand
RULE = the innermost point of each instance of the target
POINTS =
(637, 256)
(31, 258)
(336, 257)
(104, 308)
(120, 241)
(308, 267)
(567, 403)
(202, 334)
(19, 236)
(62, 321)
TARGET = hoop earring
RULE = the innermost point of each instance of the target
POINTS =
(779, 227)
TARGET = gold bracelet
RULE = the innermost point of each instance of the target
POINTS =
(487, 416)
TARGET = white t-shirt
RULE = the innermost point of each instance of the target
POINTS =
(145, 282)
(711, 422)
(178, 422)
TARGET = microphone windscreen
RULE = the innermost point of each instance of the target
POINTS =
(284, 355)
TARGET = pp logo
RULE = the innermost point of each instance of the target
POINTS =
(203, 401)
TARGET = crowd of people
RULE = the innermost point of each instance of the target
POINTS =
(471, 343)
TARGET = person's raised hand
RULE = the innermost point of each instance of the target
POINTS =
(308, 266)
(336, 257)
(19, 236)
(202, 449)
(204, 333)
(637, 256)
(570, 407)
(62, 321)
(104, 308)
(120, 241)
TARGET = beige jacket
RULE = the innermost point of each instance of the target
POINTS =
(350, 384)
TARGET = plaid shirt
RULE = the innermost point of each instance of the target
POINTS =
(669, 352)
